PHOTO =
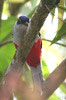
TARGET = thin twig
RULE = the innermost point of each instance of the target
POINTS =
(10, 41)
(55, 43)
(54, 14)
(6, 42)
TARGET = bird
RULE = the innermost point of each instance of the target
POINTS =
(33, 59)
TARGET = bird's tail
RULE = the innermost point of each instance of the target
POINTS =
(37, 77)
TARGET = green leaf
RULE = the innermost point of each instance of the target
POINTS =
(45, 70)
(6, 55)
(34, 3)
(52, 13)
(63, 87)
(6, 27)
(61, 33)
(62, 7)
(54, 97)
(6, 51)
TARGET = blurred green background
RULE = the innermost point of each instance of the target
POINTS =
(54, 29)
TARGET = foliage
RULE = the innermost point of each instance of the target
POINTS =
(61, 33)
(62, 7)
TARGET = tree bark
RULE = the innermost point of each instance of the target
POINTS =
(55, 79)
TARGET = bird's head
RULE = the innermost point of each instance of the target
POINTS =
(20, 29)
(23, 20)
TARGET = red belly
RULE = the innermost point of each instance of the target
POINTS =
(34, 56)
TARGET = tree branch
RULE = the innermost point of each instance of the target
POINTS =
(54, 43)
(55, 79)
(6, 42)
